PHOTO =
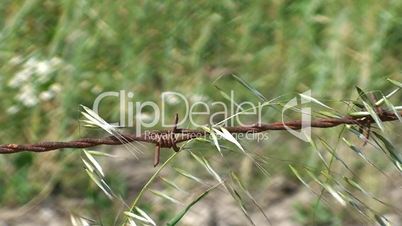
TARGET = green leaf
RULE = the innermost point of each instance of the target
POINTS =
(392, 107)
(310, 98)
(399, 166)
(362, 209)
(207, 166)
(135, 216)
(355, 185)
(175, 220)
(88, 166)
(214, 138)
(313, 144)
(379, 102)
(172, 184)
(374, 115)
(296, 173)
(165, 196)
(131, 223)
(333, 153)
(199, 160)
(360, 188)
(337, 195)
(360, 135)
(228, 136)
(212, 171)
(188, 175)
(360, 153)
(95, 173)
(359, 113)
(395, 155)
(353, 147)
(362, 95)
(145, 215)
(94, 163)
(152, 178)
(399, 84)
(94, 119)
(101, 184)
(382, 220)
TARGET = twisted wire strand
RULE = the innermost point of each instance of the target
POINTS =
(170, 138)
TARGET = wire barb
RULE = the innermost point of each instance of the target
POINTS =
(167, 140)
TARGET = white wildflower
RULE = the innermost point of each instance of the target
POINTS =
(47, 66)
(172, 99)
(27, 96)
(55, 87)
(20, 77)
(16, 60)
(46, 95)
(43, 68)
(34, 71)
(13, 110)
(31, 63)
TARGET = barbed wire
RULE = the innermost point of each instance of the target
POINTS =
(170, 138)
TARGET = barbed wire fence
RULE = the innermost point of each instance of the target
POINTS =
(170, 138)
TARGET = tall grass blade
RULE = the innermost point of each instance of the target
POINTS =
(379, 102)
(241, 203)
(165, 196)
(94, 119)
(228, 136)
(374, 115)
(249, 87)
(172, 184)
(145, 215)
(101, 184)
(175, 220)
(236, 179)
(392, 107)
(94, 163)
(395, 154)
(399, 84)
(135, 216)
(312, 99)
(382, 220)
(188, 175)
(297, 174)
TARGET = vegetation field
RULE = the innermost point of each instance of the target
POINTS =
(56, 56)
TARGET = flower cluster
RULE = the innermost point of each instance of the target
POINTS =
(33, 73)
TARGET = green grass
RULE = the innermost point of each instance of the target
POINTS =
(279, 47)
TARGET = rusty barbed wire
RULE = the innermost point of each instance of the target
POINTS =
(170, 138)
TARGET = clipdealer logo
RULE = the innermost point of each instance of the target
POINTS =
(148, 114)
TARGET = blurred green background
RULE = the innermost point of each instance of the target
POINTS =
(56, 55)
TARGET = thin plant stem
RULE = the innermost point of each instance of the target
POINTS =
(151, 179)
